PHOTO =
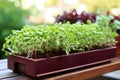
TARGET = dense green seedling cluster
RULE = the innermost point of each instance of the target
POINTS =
(67, 37)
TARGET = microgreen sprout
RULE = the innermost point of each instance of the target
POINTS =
(54, 37)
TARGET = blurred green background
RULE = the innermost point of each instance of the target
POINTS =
(11, 17)
(16, 13)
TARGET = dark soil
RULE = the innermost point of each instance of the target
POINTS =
(118, 31)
